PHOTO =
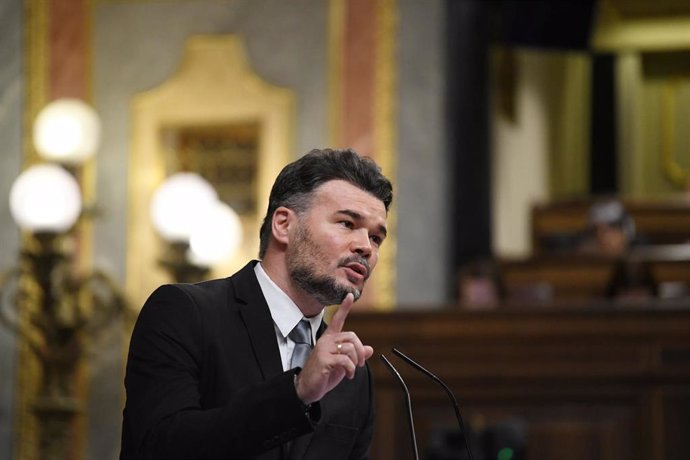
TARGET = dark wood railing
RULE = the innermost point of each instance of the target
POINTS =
(595, 382)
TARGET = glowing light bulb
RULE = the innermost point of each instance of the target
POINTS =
(178, 203)
(215, 236)
(45, 198)
(67, 131)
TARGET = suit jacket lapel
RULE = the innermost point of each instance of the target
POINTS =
(257, 318)
(322, 329)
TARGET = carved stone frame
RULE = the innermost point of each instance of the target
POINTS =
(214, 85)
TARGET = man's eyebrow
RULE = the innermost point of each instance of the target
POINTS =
(357, 216)
(348, 212)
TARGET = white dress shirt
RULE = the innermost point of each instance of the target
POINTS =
(285, 313)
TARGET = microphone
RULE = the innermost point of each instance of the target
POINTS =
(408, 403)
(450, 394)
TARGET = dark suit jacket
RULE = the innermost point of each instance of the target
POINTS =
(205, 380)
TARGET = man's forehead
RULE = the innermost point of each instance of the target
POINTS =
(343, 192)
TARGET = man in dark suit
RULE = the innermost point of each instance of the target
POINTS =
(225, 368)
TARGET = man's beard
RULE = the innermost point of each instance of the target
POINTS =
(302, 256)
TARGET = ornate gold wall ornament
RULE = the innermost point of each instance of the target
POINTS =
(674, 171)
(641, 25)
(214, 103)
(35, 97)
(650, 40)
(385, 134)
(336, 38)
(54, 312)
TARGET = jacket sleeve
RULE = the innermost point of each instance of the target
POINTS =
(163, 417)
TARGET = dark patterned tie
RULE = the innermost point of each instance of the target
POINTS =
(301, 335)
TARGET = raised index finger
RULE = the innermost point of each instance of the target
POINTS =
(338, 320)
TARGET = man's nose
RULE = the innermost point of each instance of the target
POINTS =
(361, 243)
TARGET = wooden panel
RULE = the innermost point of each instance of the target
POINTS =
(660, 222)
(676, 407)
(582, 277)
(596, 383)
(566, 277)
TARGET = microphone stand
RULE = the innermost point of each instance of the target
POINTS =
(408, 403)
(448, 391)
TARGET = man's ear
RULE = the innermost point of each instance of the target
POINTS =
(280, 224)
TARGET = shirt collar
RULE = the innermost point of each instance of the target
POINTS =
(285, 313)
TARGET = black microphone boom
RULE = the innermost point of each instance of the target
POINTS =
(408, 403)
(450, 394)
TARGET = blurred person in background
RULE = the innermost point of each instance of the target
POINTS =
(610, 231)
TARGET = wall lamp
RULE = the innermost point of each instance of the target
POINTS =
(43, 299)
(199, 230)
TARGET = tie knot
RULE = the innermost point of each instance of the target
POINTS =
(301, 333)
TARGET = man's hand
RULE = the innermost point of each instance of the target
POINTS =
(337, 354)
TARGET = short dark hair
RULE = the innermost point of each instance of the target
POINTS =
(295, 184)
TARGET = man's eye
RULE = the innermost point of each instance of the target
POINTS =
(346, 223)
(376, 240)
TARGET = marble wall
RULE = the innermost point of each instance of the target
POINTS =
(11, 88)
(422, 180)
